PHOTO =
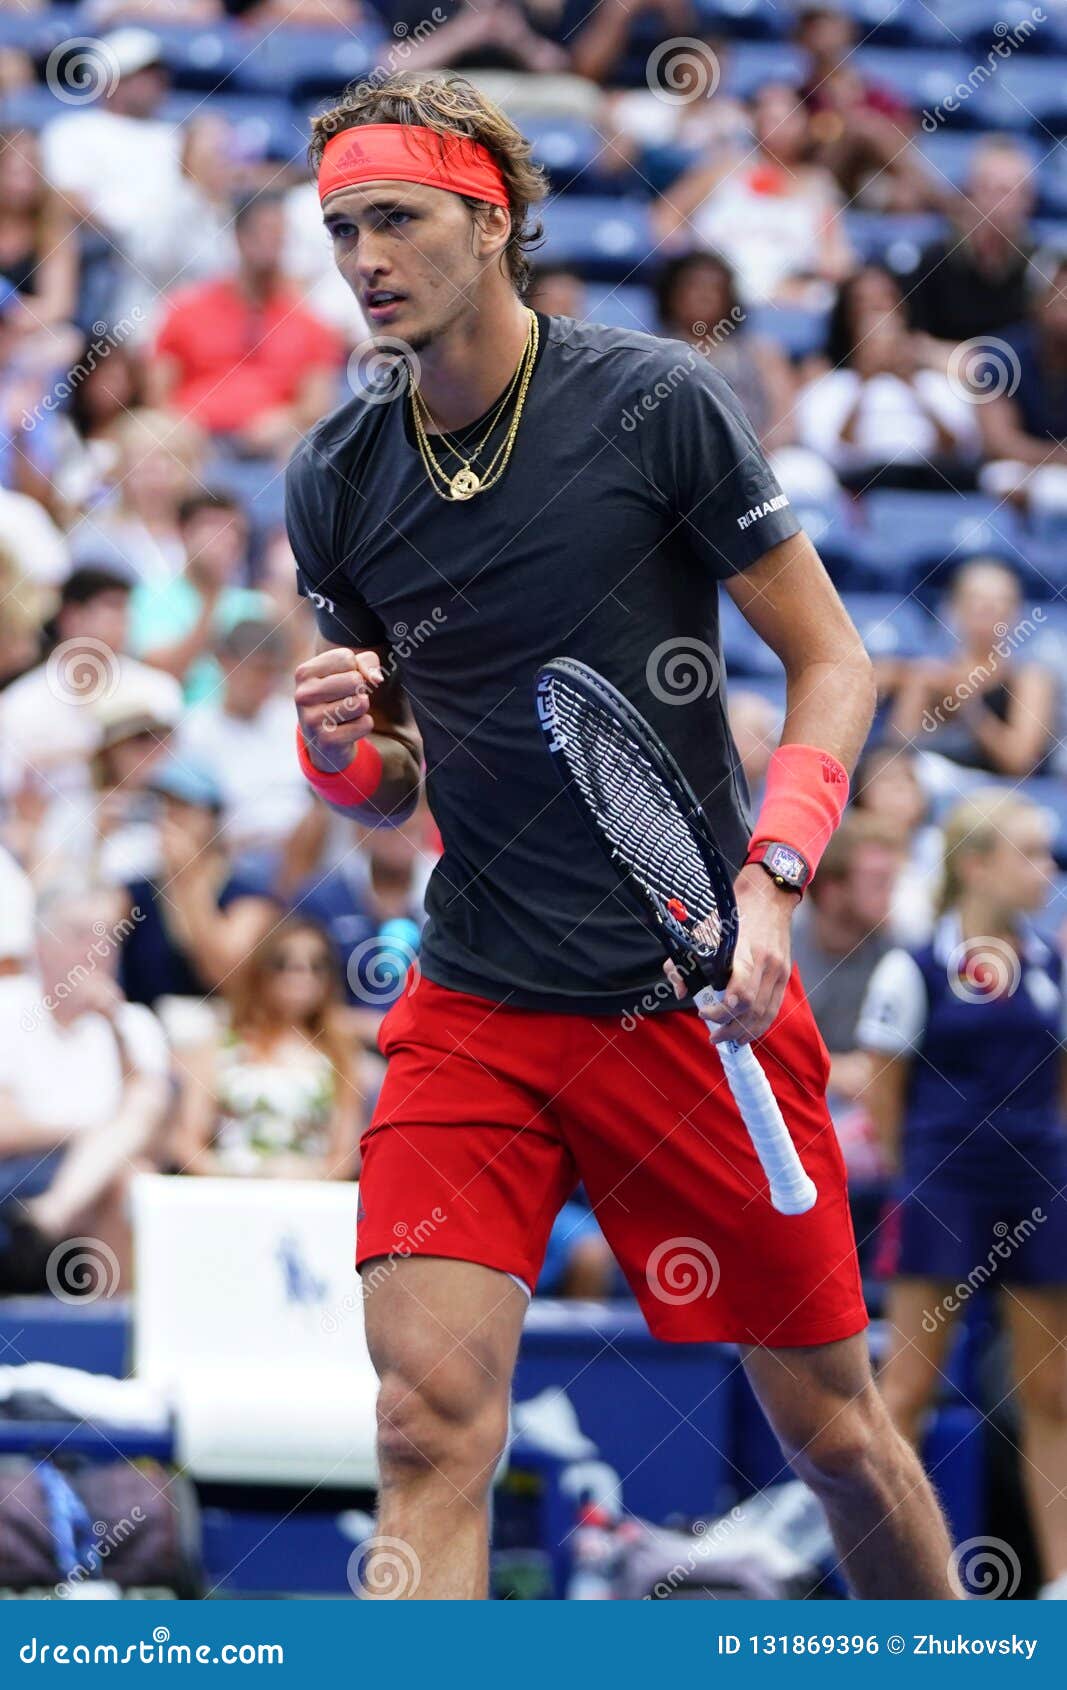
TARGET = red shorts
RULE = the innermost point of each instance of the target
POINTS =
(489, 1116)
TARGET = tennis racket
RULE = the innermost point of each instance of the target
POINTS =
(644, 814)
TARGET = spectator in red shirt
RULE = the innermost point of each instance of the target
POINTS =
(243, 355)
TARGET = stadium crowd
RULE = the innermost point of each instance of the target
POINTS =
(194, 953)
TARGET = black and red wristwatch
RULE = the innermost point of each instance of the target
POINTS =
(784, 863)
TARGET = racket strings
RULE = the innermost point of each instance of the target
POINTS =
(640, 817)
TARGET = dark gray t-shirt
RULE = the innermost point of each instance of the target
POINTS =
(635, 486)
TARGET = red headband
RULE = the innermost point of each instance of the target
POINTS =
(401, 152)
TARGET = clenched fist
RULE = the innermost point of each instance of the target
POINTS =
(333, 692)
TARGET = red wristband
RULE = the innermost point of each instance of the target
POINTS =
(803, 800)
(347, 787)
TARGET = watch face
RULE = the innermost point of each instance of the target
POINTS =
(783, 860)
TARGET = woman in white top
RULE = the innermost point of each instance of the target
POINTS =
(772, 215)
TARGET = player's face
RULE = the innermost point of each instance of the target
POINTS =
(414, 257)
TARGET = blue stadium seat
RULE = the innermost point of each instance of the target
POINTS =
(752, 63)
(201, 58)
(745, 653)
(889, 22)
(922, 531)
(622, 307)
(756, 19)
(1025, 94)
(798, 332)
(32, 108)
(264, 128)
(890, 626)
(259, 486)
(880, 238)
(308, 64)
(569, 148)
(923, 79)
(1051, 794)
(971, 24)
(1050, 921)
(607, 238)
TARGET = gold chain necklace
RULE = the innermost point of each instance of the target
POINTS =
(467, 457)
(465, 483)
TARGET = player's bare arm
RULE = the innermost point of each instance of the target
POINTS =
(344, 699)
(830, 697)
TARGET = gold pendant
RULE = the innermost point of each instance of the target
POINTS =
(464, 484)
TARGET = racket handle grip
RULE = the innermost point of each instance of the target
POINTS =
(792, 1191)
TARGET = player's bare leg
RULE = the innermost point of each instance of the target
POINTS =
(838, 1437)
(443, 1336)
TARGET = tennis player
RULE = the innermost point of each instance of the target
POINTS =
(536, 488)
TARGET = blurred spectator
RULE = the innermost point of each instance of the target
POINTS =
(371, 905)
(578, 1261)
(640, 126)
(973, 282)
(1024, 428)
(697, 301)
(38, 242)
(31, 538)
(104, 829)
(25, 606)
(859, 129)
(840, 934)
(493, 34)
(194, 917)
(756, 728)
(175, 623)
(138, 530)
(83, 1096)
(86, 454)
(605, 35)
(28, 369)
(242, 355)
(886, 785)
(966, 1038)
(770, 212)
(190, 235)
(115, 160)
(16, 916)
(984, 706)
(277, 1094)
(49, 717)
(244, 738)
(878, 407)
(557, 291)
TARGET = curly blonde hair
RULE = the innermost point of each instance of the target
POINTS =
(450, 105)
